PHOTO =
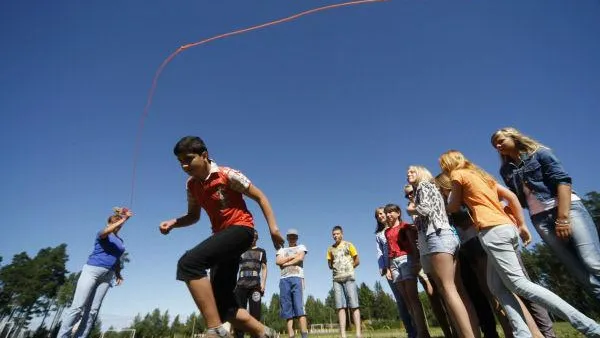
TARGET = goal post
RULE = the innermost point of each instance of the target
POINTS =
(122, 333)
(324, 328)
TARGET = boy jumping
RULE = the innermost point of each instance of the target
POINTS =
(219, 191)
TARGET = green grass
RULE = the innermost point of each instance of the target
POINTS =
(563, 330)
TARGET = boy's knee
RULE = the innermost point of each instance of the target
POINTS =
(188, 268)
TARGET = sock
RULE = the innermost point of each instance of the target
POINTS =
(219, 330)
(304, 334)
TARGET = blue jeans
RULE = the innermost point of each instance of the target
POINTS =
(291, 300)
(411, 331)
(506, 276)
(581, 254)
(91, 288)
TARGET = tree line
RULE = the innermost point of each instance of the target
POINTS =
(41, 287)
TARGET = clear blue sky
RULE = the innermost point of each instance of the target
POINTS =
(324, 114)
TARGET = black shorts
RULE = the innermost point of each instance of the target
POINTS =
(221, 254)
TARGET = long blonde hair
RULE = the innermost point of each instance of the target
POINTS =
(423, 175)
(454, 160)
(442, 181)
(523, 143)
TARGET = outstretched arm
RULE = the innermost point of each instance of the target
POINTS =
(192, 216)
(113, 226)
(257, 195)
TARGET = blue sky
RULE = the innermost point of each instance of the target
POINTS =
(324, 114)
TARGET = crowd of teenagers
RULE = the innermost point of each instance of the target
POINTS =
(460, 240)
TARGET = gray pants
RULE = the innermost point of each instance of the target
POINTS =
(91, 289)
(539, 314)
(506, 276)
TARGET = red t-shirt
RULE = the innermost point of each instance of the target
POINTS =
(397, 240)
(220, 195)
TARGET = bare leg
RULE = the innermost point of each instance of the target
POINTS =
(204, 298)
(356, 317)
(444, 268)
(464, 296)
(342, 321)
(437, 307)
(303, 324)
(408, 289)
(290, 327)
(535, 331)
(246, 323)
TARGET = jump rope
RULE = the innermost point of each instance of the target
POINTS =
(198, 43)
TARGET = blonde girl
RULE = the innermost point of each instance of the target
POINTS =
(479, 191)
(433, 294)
(473, 268)
(543, 186)
(438, 246)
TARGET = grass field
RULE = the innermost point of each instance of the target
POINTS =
(563, 330)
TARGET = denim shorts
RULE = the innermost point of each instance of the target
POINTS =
(345, 294)
(402, 268)
(441, 241)
(291, 301)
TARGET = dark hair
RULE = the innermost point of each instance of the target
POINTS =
(392, 207)
(380, 226)
(337, 227)
(190, 145)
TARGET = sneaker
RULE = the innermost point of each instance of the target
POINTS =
(270, 333)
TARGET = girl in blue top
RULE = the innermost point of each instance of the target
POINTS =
(543, 186)
(102, 266)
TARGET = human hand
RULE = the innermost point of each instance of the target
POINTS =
(166, 226)
(562, 228)
(119, 281)
(388, 274)
(277, 238)
(525, 235)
